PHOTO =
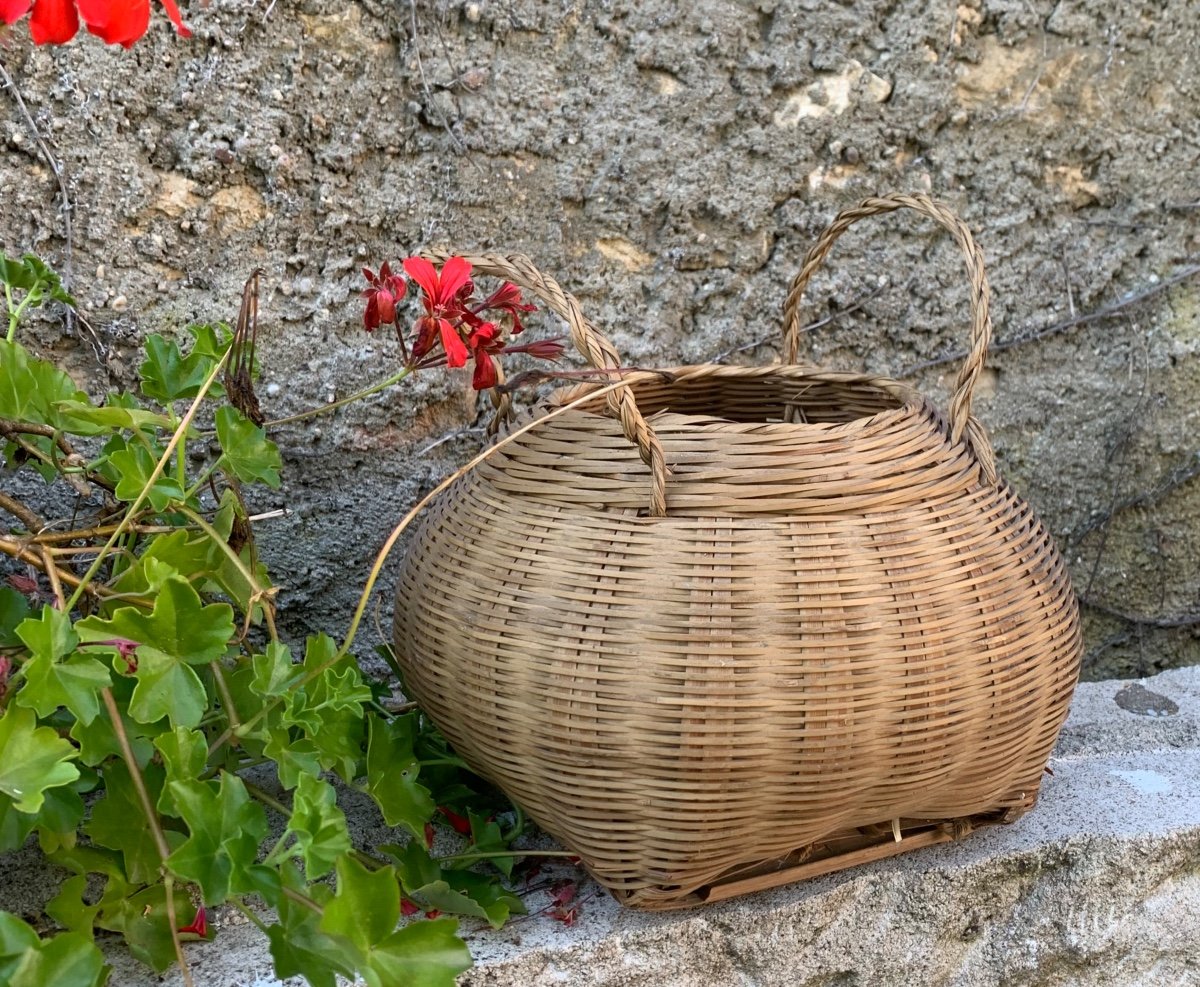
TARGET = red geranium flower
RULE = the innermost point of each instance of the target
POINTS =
(460, 824)
(118, 22)
(508, 297)
(382, 293)
(441, 296)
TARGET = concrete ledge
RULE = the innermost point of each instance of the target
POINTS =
(1099, 885)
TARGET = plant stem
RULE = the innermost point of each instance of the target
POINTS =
(313, 412)
(133, 508)
(270, 801)
(160, 839)
(254, 919)
(231, 712)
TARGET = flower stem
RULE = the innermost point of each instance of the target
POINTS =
(156, 830)
(373, 389)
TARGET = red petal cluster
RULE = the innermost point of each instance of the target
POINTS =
(199, 926)
(117, 22)
(453, 329)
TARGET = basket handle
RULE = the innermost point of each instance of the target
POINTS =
(962, 423)
(590, 342)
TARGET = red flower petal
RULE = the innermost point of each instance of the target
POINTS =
(456, 272)
(199, 926)
(460, 824)
(407, 908)
(53, 22)
(117, 22)
(173, 12)
(456, 349)
(12, 11)
(485, 376)
(422, 272)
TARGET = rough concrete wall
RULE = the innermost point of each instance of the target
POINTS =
(670, 162)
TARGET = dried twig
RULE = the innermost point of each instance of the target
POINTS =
(1176, 478)
(32, 521)
(1065, 324)
(416, 41)
(1141, 620)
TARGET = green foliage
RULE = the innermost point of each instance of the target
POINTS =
(161, 681)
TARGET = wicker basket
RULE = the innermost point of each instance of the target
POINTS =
(737, 626)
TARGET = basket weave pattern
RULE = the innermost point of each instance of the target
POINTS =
(734, 626)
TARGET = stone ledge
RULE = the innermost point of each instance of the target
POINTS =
(1099, 885)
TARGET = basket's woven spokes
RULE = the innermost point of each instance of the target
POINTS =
(597, 350)
(962, 424)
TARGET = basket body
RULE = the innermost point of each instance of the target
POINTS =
(841, 634)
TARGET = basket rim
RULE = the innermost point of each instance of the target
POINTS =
(908, 399)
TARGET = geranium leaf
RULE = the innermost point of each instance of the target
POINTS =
(135, 465)
(392, 770)
(487, 837)
(83, 418)
(366, 908)
(50, 635)
(185, 757)
(70, 959)
(273, 670)
(142, 919)
(423, 954)
(299, 947)
(167, 375)
(319, 826)
(246, 450)
(68, 908)
(226, 827)
(15, 826)
(180, 631)
(119, 823)
(74, 683)
(35, 759)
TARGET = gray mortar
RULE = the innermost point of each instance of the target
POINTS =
(636, 149)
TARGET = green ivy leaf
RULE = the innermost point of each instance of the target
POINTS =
(14, 608)
(423, 954)
(366, 908)
(68, 908)
(226, 828)
(167, 375)
(135, 465)
(458, 892)
(294, 757)
(74, 683)
(181, 631)
(31, 388)
(50, 635)
(70, 959)
(119, 823)
(319, 826)
(392, 770)
(142, 919)
(58, 821)
(487, 837)
(185, 757)
(246, 450)
(273, 670)
(98, 741)
(298, 946)
(84, 418)
(35, 759)
(15, 826)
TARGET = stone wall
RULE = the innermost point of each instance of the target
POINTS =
(670, 163)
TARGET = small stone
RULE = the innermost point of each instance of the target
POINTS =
(851, 155)
(119, 304)
(101, 270)
(473, 12)
(273, 390)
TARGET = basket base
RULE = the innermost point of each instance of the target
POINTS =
(848, 848)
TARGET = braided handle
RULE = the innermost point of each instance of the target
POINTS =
(961, 421)
(588, 340)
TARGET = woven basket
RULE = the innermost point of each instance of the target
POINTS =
(731, 627)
